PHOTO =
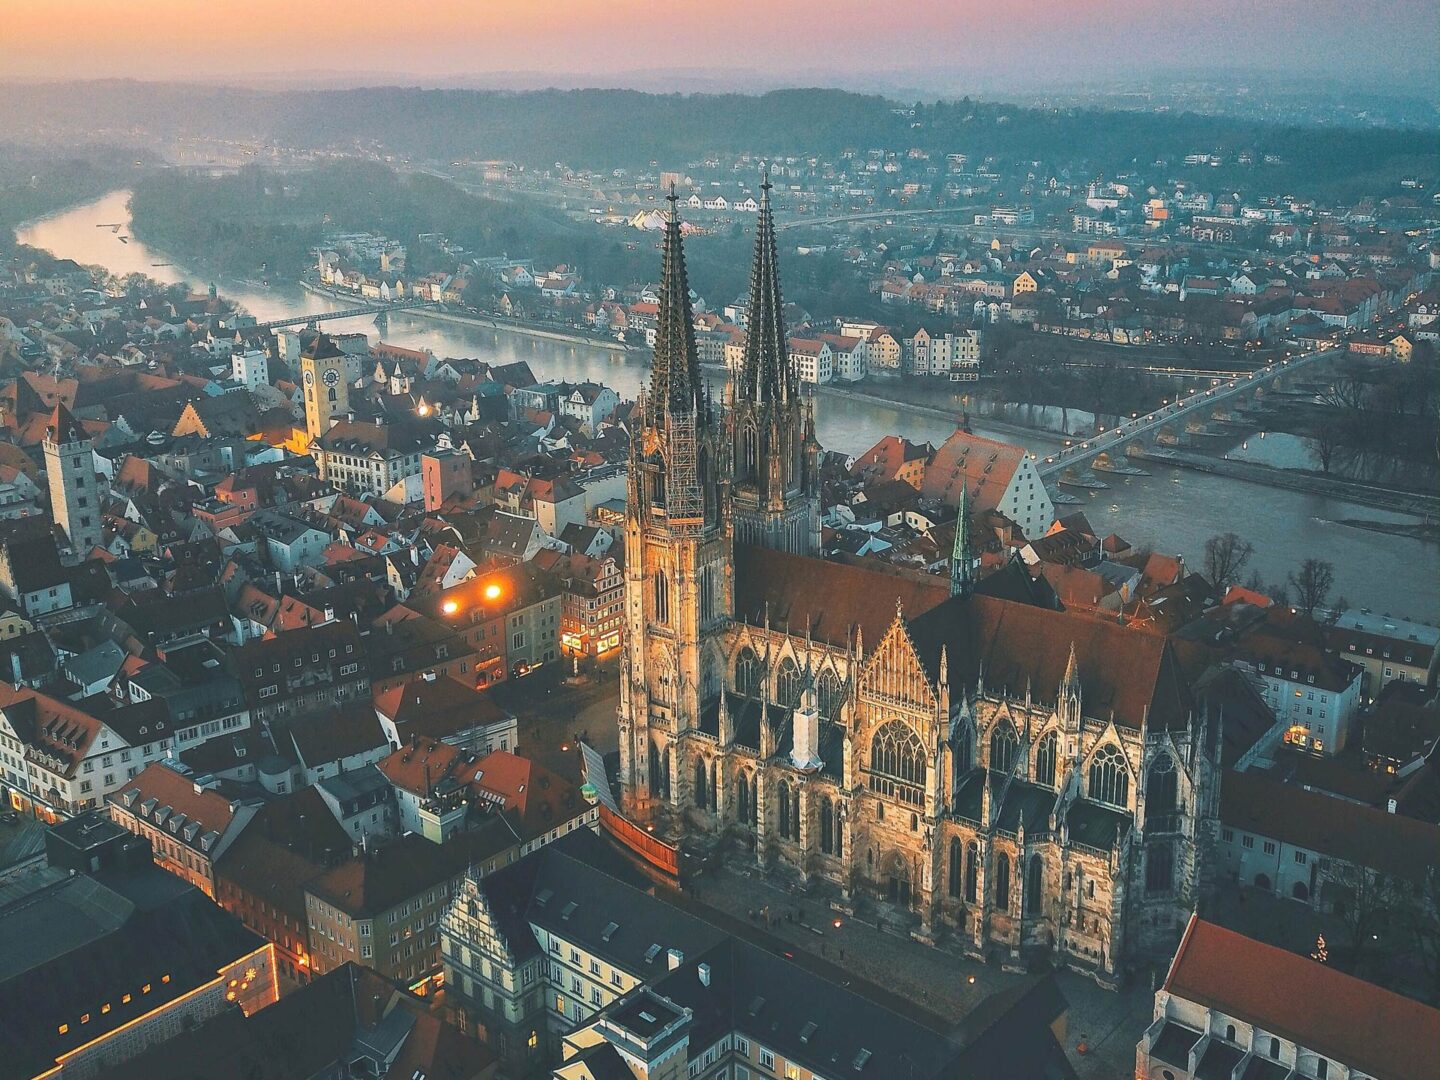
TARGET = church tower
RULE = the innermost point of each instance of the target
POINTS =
(772, 426)
(70, 472)
(327, 391)
(677, 550)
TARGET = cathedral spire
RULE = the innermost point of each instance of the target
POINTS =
(675, 381)
(766, 375)
(961, 561)
(1070, 683)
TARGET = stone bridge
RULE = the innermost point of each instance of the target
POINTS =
(1178, 422)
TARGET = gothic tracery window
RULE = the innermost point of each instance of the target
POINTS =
(1161, 790)
(787, 684)
(1109, 780)
(1045, 754)
(829, 695)
(662, 597)
(1004, 742)
(896, 752)
(747, 673)
(1002, 881)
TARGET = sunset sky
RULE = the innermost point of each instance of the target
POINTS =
(1018, 42)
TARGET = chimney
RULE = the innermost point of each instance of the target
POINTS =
(15, 673)
(329, 614)
(704, 971)
(676, 958)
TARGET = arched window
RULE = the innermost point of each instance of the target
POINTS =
(785, 811)
(1274, 1047)
(662, 597)
(1159, 867)
(747, 673)
(839, 830)
(1002, 881)
(1161, 791)
(957, 870)
(1109, 781)
(1262, 881)
(654, 767)
(896, 752)
(1045, 753)
(1035, 886)
(742, 798)
(1003, 744)
(701, 777)
(1230, 1033)
(750, 453)
(1300, 891)
(964, 748)
(330, 394)
(827, 828)
(707, 594)
(657, 487)
(829, 695)
(972, 872)
(787, 684)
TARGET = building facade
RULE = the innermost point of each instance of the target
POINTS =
(1025, 779)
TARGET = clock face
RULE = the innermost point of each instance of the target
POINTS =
(332, 377)
(309, 378)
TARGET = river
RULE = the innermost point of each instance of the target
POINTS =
(1171, 510)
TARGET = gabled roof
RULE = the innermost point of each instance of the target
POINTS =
(1339, 1016)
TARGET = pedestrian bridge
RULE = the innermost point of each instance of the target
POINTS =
(1176, 422)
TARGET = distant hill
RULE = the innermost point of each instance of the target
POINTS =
(609, 129)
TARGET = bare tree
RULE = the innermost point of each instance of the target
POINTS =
(1363, 900)
(1225, 557)
(1312, 584)
(1324, 440)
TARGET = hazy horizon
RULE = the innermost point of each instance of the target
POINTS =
(938, 47)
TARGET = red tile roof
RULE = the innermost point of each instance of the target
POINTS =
(1339, 1016)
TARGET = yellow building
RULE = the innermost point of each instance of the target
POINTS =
(327, 394)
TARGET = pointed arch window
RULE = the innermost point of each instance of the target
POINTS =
(972, 872)
(1109, 780)
(1004, 743)
(1160, 868)
(1045, 754)
(747, 673)
(827, 827)
(657, 488)
(897, 752)
(839, 830)
(1035, 886)
(787, 684)
(702, 776)
(662, 597)
(829, 695)
(1161, 793)
(749, 453)
(957, 868)
(742, 798)
(1002, 881)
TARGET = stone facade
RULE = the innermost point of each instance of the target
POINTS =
(1059, 804)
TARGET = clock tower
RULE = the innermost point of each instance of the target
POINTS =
(327, 391)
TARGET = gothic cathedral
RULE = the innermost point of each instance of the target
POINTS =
(1025, 780)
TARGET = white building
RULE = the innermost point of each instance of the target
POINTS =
(251, 369)
(814, 362)
(997, 476)
(1233, 1006)
(1315, 693)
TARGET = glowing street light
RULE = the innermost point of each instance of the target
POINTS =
(492, 591)
(450, 607)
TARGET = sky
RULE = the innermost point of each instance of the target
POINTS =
(941, 44)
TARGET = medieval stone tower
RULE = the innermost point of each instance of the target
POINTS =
(70, 471)
(678, 566)
(327, 392)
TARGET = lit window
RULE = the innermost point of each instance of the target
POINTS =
(64, 1028)
(105, 1008)
(85, 1019)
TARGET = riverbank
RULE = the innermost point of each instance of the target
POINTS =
(1352, 491)
(487, 322)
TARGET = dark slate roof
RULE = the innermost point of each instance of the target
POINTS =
(74, 944)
